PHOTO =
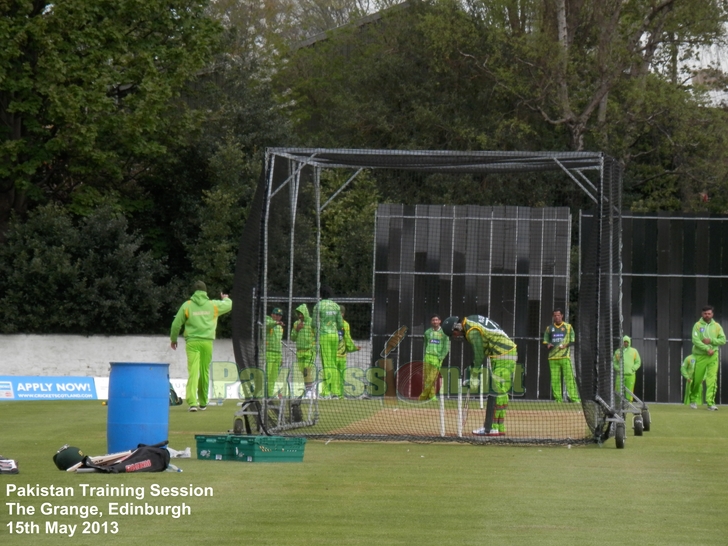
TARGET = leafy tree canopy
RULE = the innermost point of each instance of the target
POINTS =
(90, 278)
(525, 75)
(89, 93)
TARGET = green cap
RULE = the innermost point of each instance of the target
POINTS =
(277, 311)
(67, 456)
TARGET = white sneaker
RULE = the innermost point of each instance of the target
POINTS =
(493, 432)
(693, 406)
(713, 408)
(192, 408)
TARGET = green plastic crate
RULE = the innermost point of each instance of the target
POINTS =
(267, 449)
(214, 447)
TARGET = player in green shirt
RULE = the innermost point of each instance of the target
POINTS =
(327, 322)
(198, 316)
(437, 345)
(558, 338)
(632, 363)
(346, 345)
(687, 370)
(302, 334)
(273, 348)
(488, 341)
(707, 336)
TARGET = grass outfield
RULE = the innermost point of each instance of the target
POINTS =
(668, 487)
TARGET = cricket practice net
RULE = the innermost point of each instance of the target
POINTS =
(399, 236)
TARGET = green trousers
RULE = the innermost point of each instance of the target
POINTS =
(562, 367)
(273, 366)
(329, 344)
(305, 360)
(629, 381)
(706, 368)
(430, 373)
(199, 356)
(340, 375)
(500, 384)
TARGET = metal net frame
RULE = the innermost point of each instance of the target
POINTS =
(511, 264)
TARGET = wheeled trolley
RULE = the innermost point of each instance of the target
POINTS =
(641, 420)
(268, 416)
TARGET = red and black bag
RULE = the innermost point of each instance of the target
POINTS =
(143, 459)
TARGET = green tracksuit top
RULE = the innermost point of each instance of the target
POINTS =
(273, 336)
(711, 330)
(199, 316)
(327, 317)
(304, 337)
(687, 369)
(632, 361)
(437, 344)
(563, 334)
(487, 339)
(346, 344)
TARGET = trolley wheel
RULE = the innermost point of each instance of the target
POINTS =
(638, 425)
(646, 419)
(296, 413)
(619, 435)
(270, 416)
(238, 426)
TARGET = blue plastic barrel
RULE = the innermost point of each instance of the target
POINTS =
(138, 406)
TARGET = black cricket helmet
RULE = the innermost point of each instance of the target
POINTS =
(448, 324)
(67, 456)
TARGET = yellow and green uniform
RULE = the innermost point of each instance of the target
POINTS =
(561, 336)
(198, 316)
(687, 370)
(632, 363)
(346, 345)
(305, 344)
(706, 366)
(327, 322)
(437, 345)
(273, 353)
(489, 341)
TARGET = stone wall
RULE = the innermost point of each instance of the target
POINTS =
(59, 355)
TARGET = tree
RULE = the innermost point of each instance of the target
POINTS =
(525, 75)
(264, 27)
(196, 221)
(90, 278)
(89, 93)
(575, 52)
(220, 216)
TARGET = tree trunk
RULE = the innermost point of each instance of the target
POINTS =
(11, 200)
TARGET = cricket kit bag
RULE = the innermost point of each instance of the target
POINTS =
(8, 466)
(143, 459)
(174, 400)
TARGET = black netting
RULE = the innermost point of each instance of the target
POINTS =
(399, 236)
